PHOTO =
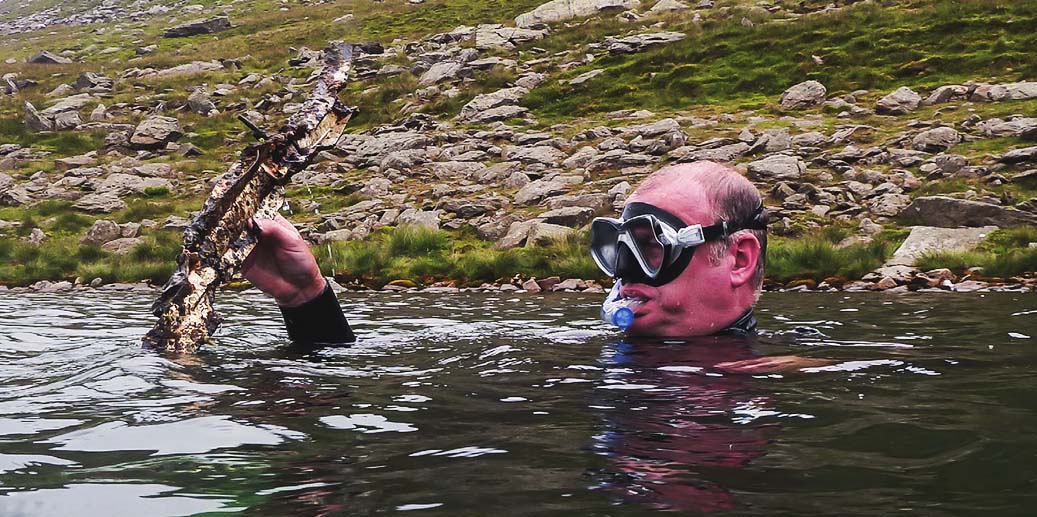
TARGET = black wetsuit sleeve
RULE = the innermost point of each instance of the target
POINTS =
(318, 322)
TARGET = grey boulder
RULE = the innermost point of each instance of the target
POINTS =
(1005, 92)
(1026, 154)
(931, 239)
(571, 216)
(488, 36)
(997, 127)
(47, 58)
(936, 140)
(639, 42)
(537, 190)
(121, 184)
(888, 205)
(948, 212)
(93, 82)
(420, 218)
(101, 232)
(665, 6)
(902, 101)
(803, 95)
(541, 154)
(440, 72)
(34, 121)
(122, 245)
(155, 132)
(200, 103)
(100, 203)
(476, 109)
(777, 167)
(561, 10)
(195, 27)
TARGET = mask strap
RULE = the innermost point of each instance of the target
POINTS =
(724, 229)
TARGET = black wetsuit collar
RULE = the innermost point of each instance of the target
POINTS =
(745, 324)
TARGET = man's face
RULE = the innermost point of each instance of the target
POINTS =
(700, 300)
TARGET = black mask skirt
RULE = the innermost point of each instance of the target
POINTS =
(627, 268)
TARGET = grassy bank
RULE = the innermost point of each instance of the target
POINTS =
(63, 258)
(1003, 254)
(924, 44)
(821, 256)
(420, 257)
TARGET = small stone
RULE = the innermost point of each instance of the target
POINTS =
(531, 286)
(582, 78)
(571, 284)
(885, 283)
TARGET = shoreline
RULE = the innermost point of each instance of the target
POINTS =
(1024, 285)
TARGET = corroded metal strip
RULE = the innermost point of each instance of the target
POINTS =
(218, 238)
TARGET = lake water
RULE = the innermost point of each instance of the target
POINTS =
(483, 404)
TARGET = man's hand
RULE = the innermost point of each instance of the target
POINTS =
(774, 364)
(281, 264)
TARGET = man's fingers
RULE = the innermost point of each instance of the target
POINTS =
(287, 225)
(250, 260)
(278, 232)
(757, 365)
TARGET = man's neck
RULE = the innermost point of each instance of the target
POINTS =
(744, 324)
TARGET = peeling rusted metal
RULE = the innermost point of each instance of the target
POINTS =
(218, 239)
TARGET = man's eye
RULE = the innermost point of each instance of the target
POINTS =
(643, 233)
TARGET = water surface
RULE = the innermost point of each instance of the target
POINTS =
(519, 405)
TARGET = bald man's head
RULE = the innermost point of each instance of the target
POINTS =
(730, 196)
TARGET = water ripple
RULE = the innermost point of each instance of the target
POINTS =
(443, 397)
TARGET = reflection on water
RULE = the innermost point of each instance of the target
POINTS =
(518, 404)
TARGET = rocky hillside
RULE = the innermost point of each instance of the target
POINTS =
(510, 124)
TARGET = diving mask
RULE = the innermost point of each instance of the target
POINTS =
(652, 246)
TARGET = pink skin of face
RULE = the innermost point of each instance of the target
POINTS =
(705, 298)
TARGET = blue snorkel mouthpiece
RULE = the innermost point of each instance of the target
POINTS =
(618, 311)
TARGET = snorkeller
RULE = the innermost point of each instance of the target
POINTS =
(687, 253)
(651, 246)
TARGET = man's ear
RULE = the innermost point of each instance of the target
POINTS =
(745, 249)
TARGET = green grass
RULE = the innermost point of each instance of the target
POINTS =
(1005, 240)
(70, 223)
(722, 67)
(64, 143)
(424, 256)
(944, 186)
(54, 216)
(923, 45)
(818, 257)
(1004, 253)
(63, 258)
(1012, 263)
(156, 191)
(957, 262)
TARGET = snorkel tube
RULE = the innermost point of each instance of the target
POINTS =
(618, 311)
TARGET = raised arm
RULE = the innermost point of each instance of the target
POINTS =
(282, 266)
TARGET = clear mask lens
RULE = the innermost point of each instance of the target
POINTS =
(645, 236)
